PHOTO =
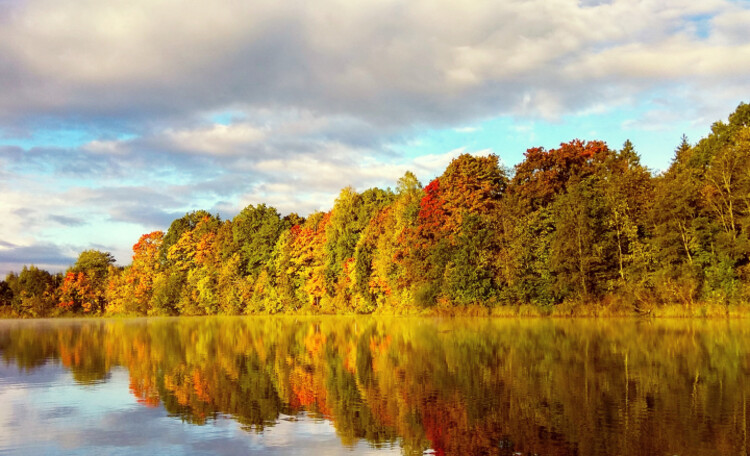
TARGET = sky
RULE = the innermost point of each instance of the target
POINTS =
(116, 117)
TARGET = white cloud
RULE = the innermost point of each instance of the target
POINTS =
(729, 27)
(106, 147)
(388, 62)
(217, 139)
(677, 59)
(467, 129)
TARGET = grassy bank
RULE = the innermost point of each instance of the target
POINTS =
(564, 310)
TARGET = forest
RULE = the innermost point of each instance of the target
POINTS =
(581, 226)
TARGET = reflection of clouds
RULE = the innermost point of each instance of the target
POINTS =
(135, 426)
(58, 412)
(10, 417)
(43, 375)
(45, 412)
(306, 435)
(20, 422)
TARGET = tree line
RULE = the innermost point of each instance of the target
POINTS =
(581, 223)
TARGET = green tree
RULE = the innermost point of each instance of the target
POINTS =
(350, 215)
(578, 251)
(380, 274)
(255, 230)
(94, 262)
(6, 294)
(34, 291)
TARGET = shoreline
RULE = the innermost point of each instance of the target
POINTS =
(560, 311)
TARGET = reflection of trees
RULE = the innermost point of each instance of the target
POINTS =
(460, 386)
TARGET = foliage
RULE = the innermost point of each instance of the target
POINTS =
(33, 292)
(581, 223)
(85, 283)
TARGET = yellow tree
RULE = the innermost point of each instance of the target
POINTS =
(132, 292)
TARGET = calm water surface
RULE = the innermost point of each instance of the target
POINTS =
(338, 385)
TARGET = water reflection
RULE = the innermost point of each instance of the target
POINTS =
(452, 386)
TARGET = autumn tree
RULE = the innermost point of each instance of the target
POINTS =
(549, 221)
(85, 283)
(457, 207)
(379, 274)
(194, 258)
(308, 265)
(179, 226)
(543, 174)
(132, 291)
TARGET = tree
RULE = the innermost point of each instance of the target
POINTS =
(255, 230)
(85, 283)
(6, 294)
(185, 223)
(94, 262)
(578, 251)
(725, 198)
(549, 226)
(79, 293)
(34, 291)
(132, 290)
(379, 271)
(194, 258)
(627, 192)
(457, 206)
(350, 215)
(701, 213)
(545, 173)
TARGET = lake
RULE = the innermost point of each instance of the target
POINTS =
(367, 385)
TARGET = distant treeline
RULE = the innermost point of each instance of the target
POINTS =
(578, 224)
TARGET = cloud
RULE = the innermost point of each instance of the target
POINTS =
(145, 216)
(389, 63)
(730, 27)
(217, 139)
(67, 221)
(48, 221)
(45, 256)
(467, 129)
(216, 105)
